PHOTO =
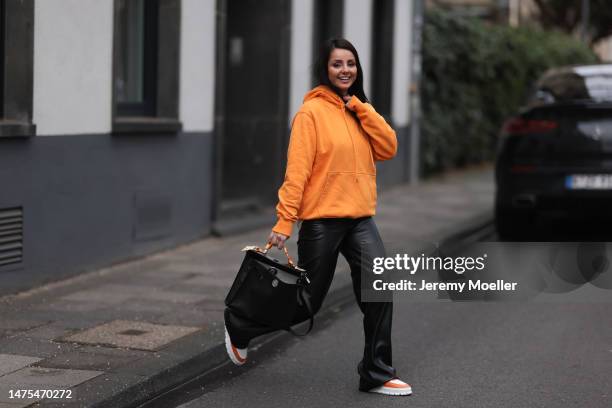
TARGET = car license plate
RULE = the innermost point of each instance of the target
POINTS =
(589, 182)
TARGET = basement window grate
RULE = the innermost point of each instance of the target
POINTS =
(11, 236)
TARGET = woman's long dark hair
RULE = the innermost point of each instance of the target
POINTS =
(320, 68)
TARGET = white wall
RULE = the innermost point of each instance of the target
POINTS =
(72, 66)
(197, 67)
(402, 40)
(358, 30)
(302, 12)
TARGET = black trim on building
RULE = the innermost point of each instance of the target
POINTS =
(328, 23)
(146, 125)
(382, 55)
(220, 69)
(157, 109)
(17, 76)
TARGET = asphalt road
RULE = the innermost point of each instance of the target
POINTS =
(454, 354)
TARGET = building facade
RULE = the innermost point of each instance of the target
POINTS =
(131, 126)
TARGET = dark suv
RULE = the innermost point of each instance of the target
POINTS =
(555, 156)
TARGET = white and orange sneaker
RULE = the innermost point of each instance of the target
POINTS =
(237, 355)
(393, 387)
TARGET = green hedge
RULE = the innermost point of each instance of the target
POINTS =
(474, 76)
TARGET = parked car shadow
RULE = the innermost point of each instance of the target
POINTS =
(548, 229)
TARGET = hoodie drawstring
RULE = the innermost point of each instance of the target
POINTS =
(352, 142)
(326, 93)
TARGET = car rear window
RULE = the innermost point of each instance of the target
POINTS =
(580, 83)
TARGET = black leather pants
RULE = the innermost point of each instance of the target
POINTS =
(319, 243)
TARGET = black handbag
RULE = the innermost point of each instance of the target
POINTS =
(268, 292)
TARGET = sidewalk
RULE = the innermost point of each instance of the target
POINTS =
(117, 335)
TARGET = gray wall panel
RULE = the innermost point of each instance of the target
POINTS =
(391, 172)
(92, 200)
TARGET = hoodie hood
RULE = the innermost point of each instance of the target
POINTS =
(325, 92)
(330, 160)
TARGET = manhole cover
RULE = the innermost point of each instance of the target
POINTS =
(129, 334)
(133, 332)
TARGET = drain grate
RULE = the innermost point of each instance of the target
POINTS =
(11, 236)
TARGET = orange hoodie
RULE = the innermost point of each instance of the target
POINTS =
(330, 164)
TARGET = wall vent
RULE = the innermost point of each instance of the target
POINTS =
(11, 236)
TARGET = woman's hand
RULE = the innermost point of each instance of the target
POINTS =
(346, 99)
(277, 240)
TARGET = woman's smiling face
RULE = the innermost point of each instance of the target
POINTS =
(342, 69)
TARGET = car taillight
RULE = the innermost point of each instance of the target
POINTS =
(522, 168)
(520, 126)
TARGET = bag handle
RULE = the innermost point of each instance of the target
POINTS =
(289, 259)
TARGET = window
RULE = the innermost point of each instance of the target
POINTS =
(136, 62)
(146, 57)
(16, 67)
(587, 83)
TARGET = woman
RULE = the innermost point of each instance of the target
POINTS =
(330, 184)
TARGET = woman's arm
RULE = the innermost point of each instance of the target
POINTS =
(300, 159)
(382, 136)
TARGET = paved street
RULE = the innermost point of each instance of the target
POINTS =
(461, 354)
(120, 335)
(454, 355)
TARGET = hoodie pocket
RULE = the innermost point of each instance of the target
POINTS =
(347, 195)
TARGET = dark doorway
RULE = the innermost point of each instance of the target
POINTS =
(251, 118)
